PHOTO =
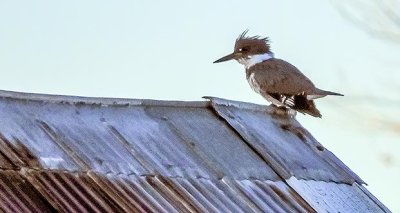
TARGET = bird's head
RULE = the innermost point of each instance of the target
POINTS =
(248, 49)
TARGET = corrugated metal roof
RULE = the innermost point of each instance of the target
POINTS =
(289, 148)
(50, 190)
(94, 154)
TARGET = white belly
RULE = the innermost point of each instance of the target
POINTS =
(253, 83)
(256, 87)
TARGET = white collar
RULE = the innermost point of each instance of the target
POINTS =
(255, 59)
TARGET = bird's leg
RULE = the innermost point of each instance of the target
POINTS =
(283, 111)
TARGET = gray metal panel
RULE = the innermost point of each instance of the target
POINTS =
(281, 141)
(372, 197)
(215, 144)
(138, 139)
(83, 133)
(19, 130)
(334, 197)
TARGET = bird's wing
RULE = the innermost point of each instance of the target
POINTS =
(280, 77)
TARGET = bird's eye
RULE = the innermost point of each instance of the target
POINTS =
(244, 49)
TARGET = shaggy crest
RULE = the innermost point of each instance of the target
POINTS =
(261, 44)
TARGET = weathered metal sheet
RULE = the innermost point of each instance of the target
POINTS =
(372, 197)
(20, 131)
(91, 192)
(334, 197)
(281, 141)
(214, 144)
(100, 155)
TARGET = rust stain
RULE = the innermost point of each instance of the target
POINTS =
(19, 195)
(292, 199)
(295, 130)
(9, 153)
(301, 201)
(59, 141)
(122, 194)
(169, 191)
(136, 154)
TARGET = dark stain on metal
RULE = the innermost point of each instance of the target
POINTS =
(295, 130)
(290, 200)
(320, 147)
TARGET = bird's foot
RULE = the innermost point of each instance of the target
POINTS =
(283, 111)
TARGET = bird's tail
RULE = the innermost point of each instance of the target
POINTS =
(304, 105)
(325, 93)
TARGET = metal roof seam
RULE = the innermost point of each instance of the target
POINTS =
(59, 141)
(25, 169)
(325, 154)
(138, 156)
(276, 169)
(281, 173)
(233, 187)
(315, 179)
(199, 153)
(251, 126)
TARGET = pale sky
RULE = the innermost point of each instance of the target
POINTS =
(165, 49)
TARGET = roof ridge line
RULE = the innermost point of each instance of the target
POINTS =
(102, 101)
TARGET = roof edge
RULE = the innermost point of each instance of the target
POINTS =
(103, 101)
(106, 101)
(239, 104)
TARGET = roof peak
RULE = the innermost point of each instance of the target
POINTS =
(107, 101)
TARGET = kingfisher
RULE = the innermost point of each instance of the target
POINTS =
(276, 80)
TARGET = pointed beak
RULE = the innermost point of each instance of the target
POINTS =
(227, 58)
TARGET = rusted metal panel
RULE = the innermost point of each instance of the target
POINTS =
(334, 197)
(18, 195)
(68, 191)
(166, 194)
(132, 193)
(282, 142)
(45, 191)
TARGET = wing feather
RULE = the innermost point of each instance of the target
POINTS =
(278, 76)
